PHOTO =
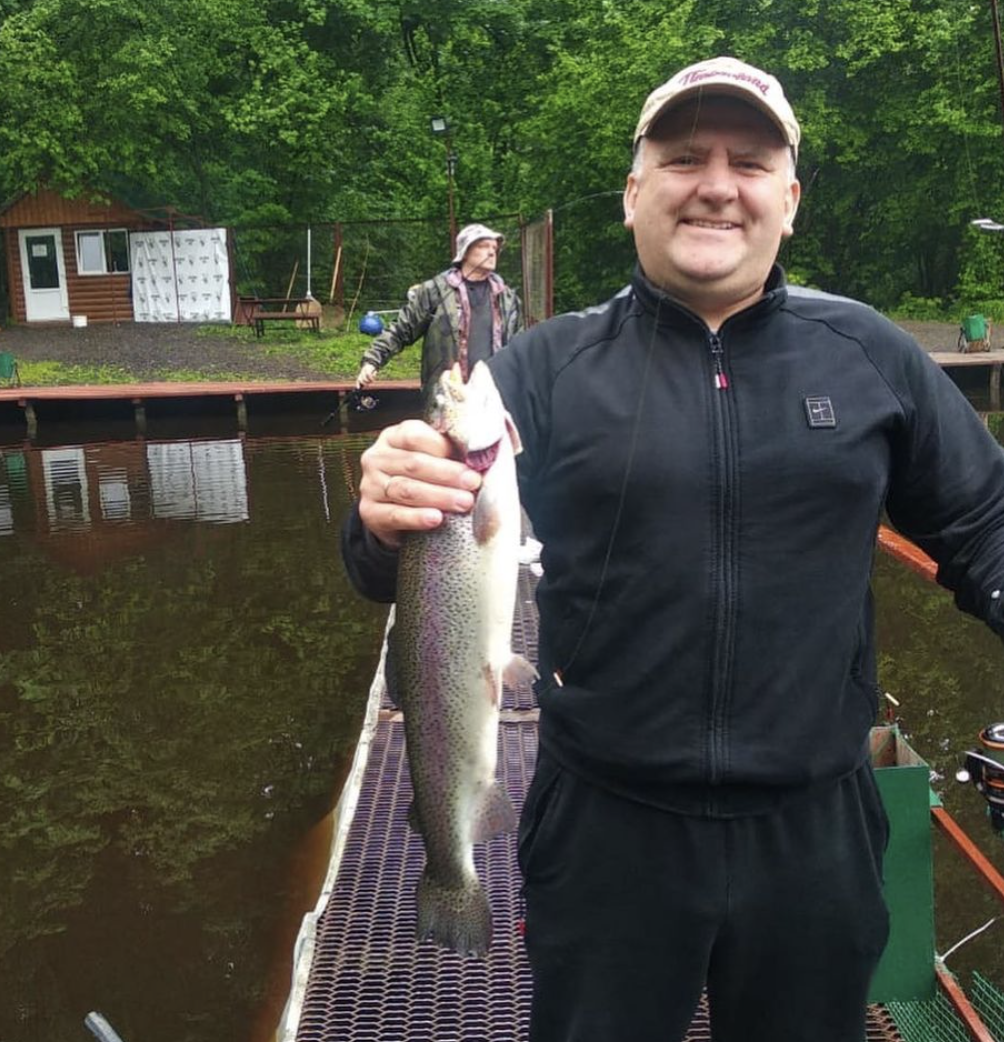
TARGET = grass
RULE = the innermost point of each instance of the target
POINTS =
(338, 354)
(334, 353)
(51, 374)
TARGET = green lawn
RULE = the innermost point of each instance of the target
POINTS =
(334, 353)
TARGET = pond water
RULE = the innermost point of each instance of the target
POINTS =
(183, 670)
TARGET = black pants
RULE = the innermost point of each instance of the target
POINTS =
(632, 911)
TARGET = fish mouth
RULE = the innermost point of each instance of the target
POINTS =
(482, 459)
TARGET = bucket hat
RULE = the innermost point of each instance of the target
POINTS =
(469, 235)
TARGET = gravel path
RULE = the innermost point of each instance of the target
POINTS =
(147, 349)
(935, 336)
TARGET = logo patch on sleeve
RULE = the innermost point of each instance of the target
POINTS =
(819, 412)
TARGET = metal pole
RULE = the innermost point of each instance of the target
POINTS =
(451, 159)
(1000, 55)
(309, 294)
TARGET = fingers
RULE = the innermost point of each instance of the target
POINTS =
(409, 482)
(366, 375)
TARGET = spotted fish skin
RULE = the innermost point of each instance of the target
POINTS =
(448, 653)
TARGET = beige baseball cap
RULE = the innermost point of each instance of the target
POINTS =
(723, 75)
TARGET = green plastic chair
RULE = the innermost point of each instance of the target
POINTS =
(9, 373)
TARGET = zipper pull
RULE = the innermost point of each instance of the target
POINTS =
(721, 380)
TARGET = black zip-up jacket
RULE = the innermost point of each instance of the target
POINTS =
(708, 507)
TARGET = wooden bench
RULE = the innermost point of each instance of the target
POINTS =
(283, 309)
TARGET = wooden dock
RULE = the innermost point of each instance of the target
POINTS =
(992, 360)
(31, 405)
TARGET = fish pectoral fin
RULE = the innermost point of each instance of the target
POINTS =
(519, 670)
(486, 519)
(495, 816)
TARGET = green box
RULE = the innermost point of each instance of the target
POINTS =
(975, 327)
(906, 971)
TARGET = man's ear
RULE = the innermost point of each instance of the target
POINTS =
(791, 208)
(630, 197)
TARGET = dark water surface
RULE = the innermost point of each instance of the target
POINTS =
(183, 671)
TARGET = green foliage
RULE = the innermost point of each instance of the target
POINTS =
(995, 424)
(273, 115)
(919, 309)
(981, 269)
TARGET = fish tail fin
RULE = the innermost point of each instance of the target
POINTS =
(458, 918)
(497, 815)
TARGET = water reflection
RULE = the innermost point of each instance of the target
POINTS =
(182, 676)
(201, 480)
(78, 487)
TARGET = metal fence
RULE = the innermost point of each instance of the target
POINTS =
(353, 267)
(569, 258)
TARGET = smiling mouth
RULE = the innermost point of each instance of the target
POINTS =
(715, 226)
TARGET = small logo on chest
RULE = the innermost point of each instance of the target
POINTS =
(819, 412)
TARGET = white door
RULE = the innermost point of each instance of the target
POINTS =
(44, 275)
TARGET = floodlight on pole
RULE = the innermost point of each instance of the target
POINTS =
(440, 127)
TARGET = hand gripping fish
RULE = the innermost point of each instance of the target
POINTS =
(448, 652)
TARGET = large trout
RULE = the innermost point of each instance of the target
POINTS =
(448, 652)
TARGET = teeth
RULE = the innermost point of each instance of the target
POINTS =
(711, 224)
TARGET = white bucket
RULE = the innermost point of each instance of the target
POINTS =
(79, 321)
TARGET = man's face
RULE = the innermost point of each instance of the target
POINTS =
(713, 198)
(480, 258)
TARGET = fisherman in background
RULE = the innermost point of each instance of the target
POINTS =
(465, 314)
(706, 459)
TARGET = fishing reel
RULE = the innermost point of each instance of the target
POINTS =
(985, 769)
(359, 401)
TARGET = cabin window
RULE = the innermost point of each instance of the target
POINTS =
(103, 252)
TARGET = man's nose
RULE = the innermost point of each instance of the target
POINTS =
(718, 180)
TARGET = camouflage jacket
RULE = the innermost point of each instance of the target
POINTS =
(438, 310)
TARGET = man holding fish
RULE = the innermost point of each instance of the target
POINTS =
(706, 458)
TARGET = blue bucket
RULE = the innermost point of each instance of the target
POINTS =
(371, 324)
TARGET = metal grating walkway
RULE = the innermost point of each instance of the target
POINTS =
(368, 980)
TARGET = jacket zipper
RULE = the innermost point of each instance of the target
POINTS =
(721, 380)
(725, 579)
